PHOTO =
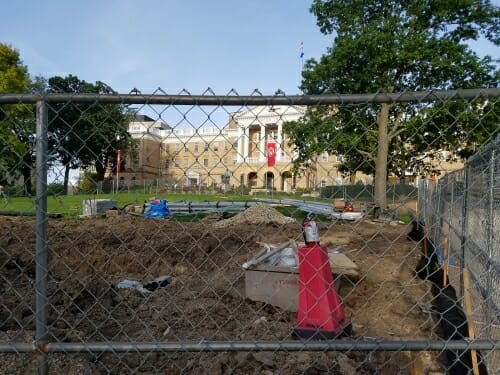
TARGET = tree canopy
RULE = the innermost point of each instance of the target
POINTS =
(86, 135)
(17, 123)
(393, 46)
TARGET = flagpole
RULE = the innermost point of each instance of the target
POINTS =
(301, 62)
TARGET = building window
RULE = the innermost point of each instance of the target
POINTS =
(186, 147)
(176, 163)
(225, 146)
(176, 147)
(196, 147)
(167, 164)
(235, 144)
(206, 146)
(167, 148)
(216, 146)
(323, 182)
(205, 162)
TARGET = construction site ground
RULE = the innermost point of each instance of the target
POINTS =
(205, 299)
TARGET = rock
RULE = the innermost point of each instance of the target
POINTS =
(303, 357)
(266, 358)
(242, 358)
(260, 320)
(180, 270)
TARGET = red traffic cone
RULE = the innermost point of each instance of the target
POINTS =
(320, 314)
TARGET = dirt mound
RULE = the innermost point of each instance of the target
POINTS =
(256, 215)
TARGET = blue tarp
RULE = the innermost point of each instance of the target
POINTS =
(157, 208)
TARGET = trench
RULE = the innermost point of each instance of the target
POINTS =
(452, 321)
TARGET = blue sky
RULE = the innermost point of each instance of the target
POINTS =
(175, 45)
(170, 44)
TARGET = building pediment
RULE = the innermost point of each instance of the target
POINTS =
(271, 114)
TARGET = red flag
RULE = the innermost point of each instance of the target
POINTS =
(271, 153)
(118, 161)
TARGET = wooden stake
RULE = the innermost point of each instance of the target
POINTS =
(468, 313)
(445, 261)
(416, 214)
(426, 239)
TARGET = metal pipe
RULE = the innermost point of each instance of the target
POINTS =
(255, 346)
(203, 100)
(41, 271)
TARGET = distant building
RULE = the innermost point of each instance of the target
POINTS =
(233, 155)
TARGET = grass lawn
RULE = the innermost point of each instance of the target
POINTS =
(71, 206)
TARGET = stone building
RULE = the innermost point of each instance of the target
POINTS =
(234, 155)
(230, 156)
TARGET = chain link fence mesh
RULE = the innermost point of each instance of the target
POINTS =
(465, 224)
(92, 284)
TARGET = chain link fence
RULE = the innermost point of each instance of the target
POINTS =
(91, 283)
(462, 211)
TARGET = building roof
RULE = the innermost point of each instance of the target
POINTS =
(269, 113)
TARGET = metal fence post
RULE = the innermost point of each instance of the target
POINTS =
(41, 235)
(465, 223)
(490, 314)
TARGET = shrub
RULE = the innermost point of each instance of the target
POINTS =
(55, 189)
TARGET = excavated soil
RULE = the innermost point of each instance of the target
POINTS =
(205, 299)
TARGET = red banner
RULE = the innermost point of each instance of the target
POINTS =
(118, 161)
(271, 153)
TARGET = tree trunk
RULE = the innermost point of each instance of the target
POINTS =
(382, 155)
(100, 170)
(66, 178)
(27, 180)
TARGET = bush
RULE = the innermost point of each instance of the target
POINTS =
(88, 184)
(55, 189)
(240, 190)
(300, 191)
(13, 191)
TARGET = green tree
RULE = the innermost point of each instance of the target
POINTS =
(86, 135)
(17, 124)
(392, 46)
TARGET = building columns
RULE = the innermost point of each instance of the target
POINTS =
(246, 140)
(280, 139)
(239, 156)
(262, 143)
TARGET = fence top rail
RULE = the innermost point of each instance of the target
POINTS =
(485, 152)
(257, 99)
